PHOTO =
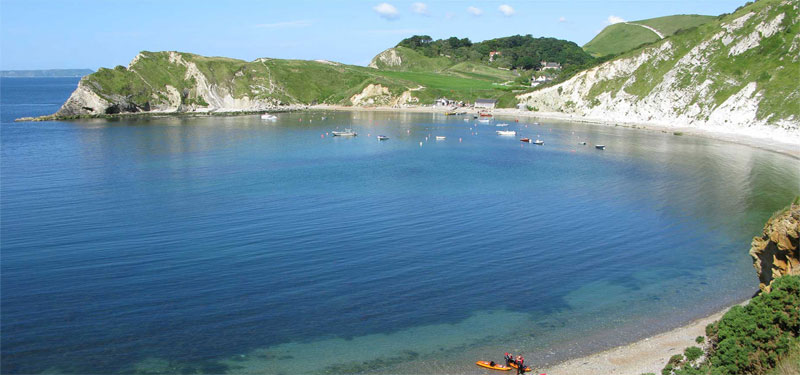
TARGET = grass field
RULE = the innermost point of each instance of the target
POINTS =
(621, 37)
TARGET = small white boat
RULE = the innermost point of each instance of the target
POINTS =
(345, 133)
(582, 143)
(502, 125)
(600, 147)
(382, 137)
(538, 142)
(268, 116)
(484, 119)
(506, 132)
(440, 137)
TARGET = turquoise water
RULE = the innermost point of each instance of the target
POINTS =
(234, 245)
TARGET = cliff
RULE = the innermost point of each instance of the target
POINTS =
(736, 74)
(176, 82)
(775, 253)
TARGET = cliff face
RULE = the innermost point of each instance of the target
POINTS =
(170, 82)
(731, 73)
(775, 253)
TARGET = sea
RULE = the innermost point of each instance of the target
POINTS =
(230, 244)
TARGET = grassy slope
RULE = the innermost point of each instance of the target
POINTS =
(620, 37)
(769, 65)
(289, 81)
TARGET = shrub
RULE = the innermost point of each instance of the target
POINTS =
(692, 353)
(700, 339)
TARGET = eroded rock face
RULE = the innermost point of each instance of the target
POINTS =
(775, 253)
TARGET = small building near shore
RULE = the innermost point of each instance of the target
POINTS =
(550, 65)
(443, 102)
(536, 81)
(486, 103)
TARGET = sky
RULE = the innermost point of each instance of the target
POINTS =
(38, 34)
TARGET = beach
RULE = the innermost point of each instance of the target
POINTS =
(648, 355)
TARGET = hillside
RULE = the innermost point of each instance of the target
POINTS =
(625, 36)
(169, 82)
(422, 53)
(738, 73)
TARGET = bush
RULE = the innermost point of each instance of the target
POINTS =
(700, 339)
(692, 353)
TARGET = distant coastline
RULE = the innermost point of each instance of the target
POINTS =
(45, 73)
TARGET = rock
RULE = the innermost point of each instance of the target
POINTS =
(775, 253)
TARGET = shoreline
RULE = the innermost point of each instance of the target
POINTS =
(769, 139)
(647, 355)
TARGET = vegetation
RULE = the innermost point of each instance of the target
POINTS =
(515, 52)
(622, 37)
(754, 339)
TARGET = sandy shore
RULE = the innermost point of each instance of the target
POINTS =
(648, 355)
(768, 139)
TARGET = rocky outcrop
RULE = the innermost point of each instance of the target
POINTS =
(775, 253)
(387, 58)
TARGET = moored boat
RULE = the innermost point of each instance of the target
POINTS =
(600, 147)
(503, 124)
(538, 142)
(268, 116)
(345, 133)
(526, 140)
(382, 137)
(440, 137)
(506, 132)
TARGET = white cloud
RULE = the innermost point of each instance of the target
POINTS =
(562, 19)
(474, 11)
(614, 19)
(284, 25)
(419, 8)
(506, 9)
(386, 10)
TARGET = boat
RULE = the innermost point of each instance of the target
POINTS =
(484, 120)
(449, 113)
(382, 137)
(515, 365)
(484, 114)
(474, 116)
(345, 133)
(600, 147)
(506, 132)
(440, 137)
(538, 142)
(503, 124)
(536, 123)
(526, 140)
(582, 143)
(268, 116)
(497, 366)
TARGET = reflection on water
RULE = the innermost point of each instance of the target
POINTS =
(229, 244)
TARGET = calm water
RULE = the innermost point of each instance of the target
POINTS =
(235, 245)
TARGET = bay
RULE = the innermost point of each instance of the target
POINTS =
(232, 244)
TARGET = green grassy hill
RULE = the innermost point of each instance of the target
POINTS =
(738, 71)
(184, 82)
(623, 37)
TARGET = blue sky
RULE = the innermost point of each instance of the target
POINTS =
(36, 34)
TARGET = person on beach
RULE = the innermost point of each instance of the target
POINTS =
(520, 365)
(509, 358)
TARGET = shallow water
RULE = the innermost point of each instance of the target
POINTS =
(230, 244)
